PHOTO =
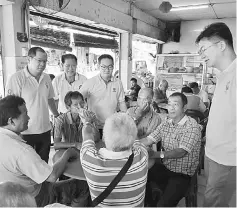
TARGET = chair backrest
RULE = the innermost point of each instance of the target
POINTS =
(197, 115)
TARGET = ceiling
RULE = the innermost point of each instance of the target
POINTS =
(217, 9)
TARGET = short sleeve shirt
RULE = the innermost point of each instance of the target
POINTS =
(36, 95)
(203, 96)
(20, 163)
(103, 98)
(186, 135)
(62, 87)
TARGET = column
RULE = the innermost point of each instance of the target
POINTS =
(13, 51)
(126, 59)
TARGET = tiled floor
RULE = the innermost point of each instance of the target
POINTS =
(201, 187)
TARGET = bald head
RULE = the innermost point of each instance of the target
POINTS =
(163, 85)
(146, 93)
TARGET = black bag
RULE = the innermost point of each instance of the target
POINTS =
(114, 182)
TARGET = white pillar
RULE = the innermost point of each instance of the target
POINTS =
(12, 49)
(126, 59)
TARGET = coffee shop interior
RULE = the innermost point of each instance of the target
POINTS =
(153, 45)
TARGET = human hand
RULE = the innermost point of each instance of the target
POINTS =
(72, 153)
(77, 145)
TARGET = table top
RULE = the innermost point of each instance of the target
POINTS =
(74, 168)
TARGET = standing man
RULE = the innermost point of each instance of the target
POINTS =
(134, 90)
(36, 88)
(70, 80)
(103, 92)
(200, 93)
(215, 45)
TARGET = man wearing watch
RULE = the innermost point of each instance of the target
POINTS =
(180, 138)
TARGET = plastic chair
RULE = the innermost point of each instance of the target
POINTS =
(197, 115)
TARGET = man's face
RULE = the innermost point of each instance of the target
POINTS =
(38, 63)
(106, 68)
(209, 51)
(175, 107)
(69, 67)
(133, 84)
(21, 123)
(162, 87)
(76, 103)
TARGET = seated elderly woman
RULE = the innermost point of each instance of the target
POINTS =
(68, 126)
(15, 195)
(103, 165)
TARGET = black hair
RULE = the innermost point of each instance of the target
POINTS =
(133, 79)
(105, 56)
(218, 29)
(68, 56)
(72, 95)
(186, 90)
(9, 108)
(193, 85)
(182, 96)
(33, 50)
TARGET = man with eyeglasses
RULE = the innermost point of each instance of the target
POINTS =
(36, 88)
(216, 47)
(103, 92)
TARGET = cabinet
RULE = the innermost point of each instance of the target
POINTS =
(180, 69)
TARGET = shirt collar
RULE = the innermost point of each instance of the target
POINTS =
(181, 122)
(114, 155)
(27, 73)
(231, 67)
(11, 134)
(111, 80)
(76, 76)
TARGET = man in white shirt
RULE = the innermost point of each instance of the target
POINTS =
(36, 88)
(19, 163)
(103, 92)
(200, 93)
(70, 80)
(215, 45)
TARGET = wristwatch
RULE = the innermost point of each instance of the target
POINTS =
(162, 155)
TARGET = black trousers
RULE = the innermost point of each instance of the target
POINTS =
(41, 143)
(173, 186)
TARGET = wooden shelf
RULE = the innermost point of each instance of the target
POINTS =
(179, 73)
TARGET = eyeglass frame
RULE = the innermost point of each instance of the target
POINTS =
(201, 51)
(39, 61)
(110, 67)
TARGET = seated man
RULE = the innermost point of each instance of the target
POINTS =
(160, 92)
(68, 126)
(145, 118)
(15, 195)
(200, 93)
(180, 137)
(194, 102)
(19, 163)
(101, 166)
(134, 90)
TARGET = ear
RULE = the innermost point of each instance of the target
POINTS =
(222, 45)
(28, 59)
(10, 122)
(185, 107)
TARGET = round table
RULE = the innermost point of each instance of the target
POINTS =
(74, 168)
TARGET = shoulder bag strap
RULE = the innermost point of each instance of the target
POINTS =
(114, 182)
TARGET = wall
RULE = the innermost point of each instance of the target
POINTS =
(189, 32)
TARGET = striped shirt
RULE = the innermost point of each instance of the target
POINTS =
(186, 135)
(101, 166)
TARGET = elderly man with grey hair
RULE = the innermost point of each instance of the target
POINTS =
(103, 165)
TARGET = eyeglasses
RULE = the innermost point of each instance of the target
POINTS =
(110, 67)
(201, 51)
(40, 61)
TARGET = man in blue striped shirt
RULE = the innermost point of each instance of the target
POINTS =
(101, 166)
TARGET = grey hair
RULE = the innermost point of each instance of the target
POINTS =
(15, 195)
(119, 132)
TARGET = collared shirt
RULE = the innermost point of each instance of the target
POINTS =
(195, 102)
(62, 87)
(103, 98)
(68, 130)
(221, 127)
(20, 163)
(36, 95)
(203, 96)
(186, 135)
(101, 167)
(147, 124)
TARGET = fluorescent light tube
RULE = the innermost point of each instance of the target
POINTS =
(174, 9)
